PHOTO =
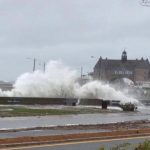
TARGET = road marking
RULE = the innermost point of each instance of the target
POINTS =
(74, 143)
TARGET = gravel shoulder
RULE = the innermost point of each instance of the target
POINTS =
(116, 130)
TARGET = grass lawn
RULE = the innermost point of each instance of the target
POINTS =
(128, 146)
(13, 111)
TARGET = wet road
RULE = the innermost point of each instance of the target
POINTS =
(46, 132)
(61, 120)
(45, 121)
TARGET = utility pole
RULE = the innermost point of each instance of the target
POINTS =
(81, 72)
(44, 66)
(35, 60)
(34, 64)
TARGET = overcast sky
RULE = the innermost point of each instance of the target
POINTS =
(70, 30)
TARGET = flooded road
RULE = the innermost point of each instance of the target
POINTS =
(45, 121)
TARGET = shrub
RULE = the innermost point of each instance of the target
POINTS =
(128, 107)
(143, 146)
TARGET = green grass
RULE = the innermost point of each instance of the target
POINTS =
(12, 111)
(34, 112)
(143, 146)
(127, 146)
(124, 146)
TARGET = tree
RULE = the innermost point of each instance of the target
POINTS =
(145, 3)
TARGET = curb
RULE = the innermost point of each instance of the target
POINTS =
(27, 141)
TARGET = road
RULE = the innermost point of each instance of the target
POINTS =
(62, 120)
(47, 132)
(85, 145)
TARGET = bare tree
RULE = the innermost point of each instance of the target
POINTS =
(145, 3)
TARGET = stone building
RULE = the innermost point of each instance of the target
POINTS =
(137, 70)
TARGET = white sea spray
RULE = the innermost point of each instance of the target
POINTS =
(59, 81)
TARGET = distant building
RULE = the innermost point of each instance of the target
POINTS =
(6, 86)
(137, 70)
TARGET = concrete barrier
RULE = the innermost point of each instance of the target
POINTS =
(32, 101)
(55, 101)
(94, 102)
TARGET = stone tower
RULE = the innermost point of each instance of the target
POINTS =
(124, 56)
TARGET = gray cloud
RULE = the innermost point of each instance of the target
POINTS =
(71, 30)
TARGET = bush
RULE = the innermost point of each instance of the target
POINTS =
(128, 107)
(101, 148)
(143, 146)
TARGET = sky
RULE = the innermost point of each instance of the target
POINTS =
(71, 31)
